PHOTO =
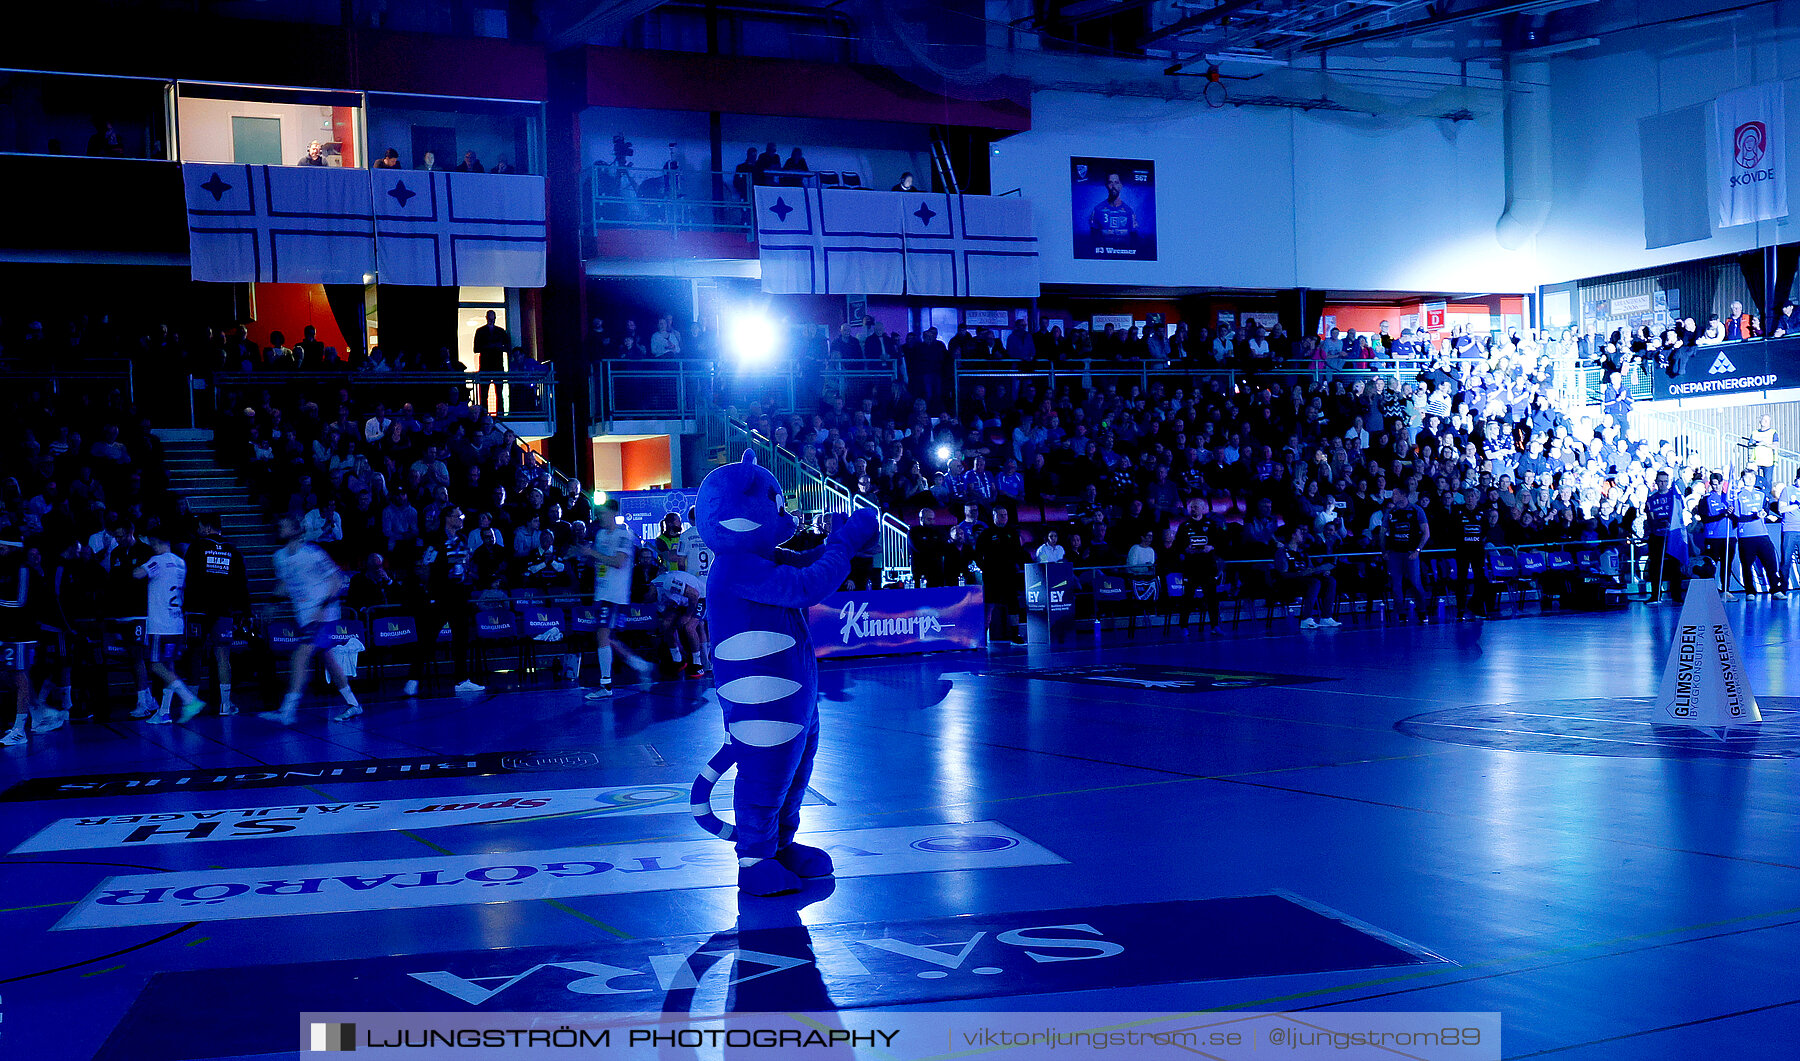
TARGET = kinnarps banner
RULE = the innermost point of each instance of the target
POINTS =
(887, 621)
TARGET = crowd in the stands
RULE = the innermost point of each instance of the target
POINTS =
(1278, 465)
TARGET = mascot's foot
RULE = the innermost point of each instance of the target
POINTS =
(767, 877)
(805, 861)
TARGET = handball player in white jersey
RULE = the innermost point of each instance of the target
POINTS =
(611, 550)
(312, 581)
(165, 629)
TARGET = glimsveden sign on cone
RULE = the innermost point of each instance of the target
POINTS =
(1704, 684)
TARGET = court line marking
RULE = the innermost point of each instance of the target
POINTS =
(558, 904)
(97, 972)
(1665, 1028)
(1644, 845)
(39, 906)
(103, 957)
(1262, 1003)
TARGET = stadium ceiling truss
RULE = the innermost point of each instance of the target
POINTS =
(1280, 31)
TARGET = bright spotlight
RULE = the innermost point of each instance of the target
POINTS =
(750, 338)
(943, 454)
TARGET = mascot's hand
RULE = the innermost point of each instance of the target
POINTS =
(860, 529)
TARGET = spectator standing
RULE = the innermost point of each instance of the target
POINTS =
(767, 165)
(1763, 442)
(929, 543)
(745, 175)
(490, 347)
(309, 351)
(1618, 400)
(1050, 551)
(665, 341)
(796, 163)
(1019, 344)
(1787, 323)
(105, 141)
(1002, 558)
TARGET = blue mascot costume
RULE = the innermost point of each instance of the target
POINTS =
(757, 594)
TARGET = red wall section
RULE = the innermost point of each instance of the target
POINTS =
(645, 463)
(289, 308)
(1367, 318)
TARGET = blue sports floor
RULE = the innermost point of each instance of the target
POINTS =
(1614, 890)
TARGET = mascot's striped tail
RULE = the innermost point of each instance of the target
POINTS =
(700, 799)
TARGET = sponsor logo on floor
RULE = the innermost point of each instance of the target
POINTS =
(511, 876)
(371, 816)
(1156, 677)
(292, 774)
(782, 967)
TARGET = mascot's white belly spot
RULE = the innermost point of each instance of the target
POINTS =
(752, 644)
(762, 733)
(757, 689)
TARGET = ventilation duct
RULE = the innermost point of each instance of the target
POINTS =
(1527, 154)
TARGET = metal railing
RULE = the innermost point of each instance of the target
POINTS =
(508, 397)
(812, 494)
(1234, 587)
(512, 399)
(688, 199)
(697, 389)
(1091, 371)
(1706, 445)
(98, 372)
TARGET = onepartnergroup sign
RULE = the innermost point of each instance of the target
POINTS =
(1732, 368)
(913, 1036)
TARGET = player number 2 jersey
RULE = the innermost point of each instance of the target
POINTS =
(165, 612)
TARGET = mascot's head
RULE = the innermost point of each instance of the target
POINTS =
(741, 509)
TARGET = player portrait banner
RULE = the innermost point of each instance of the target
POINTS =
(278, 224)
(1114, 208)
(1750, 154)
(890, 621)
(446, 229)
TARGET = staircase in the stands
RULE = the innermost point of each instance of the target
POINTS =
(196, 475)
(810, 493)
